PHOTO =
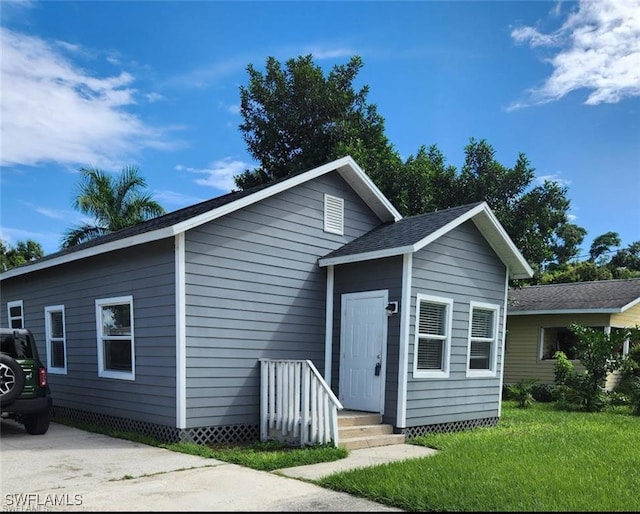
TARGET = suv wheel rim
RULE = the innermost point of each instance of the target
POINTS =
(7, 379)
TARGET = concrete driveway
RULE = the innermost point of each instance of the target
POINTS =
(73, 470)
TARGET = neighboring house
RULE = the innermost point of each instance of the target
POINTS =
(539, 318)
(160, 328)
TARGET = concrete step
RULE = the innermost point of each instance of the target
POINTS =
(350, 418)
(358, 430)
(353, 431)
(357, 443)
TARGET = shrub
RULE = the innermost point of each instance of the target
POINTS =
(598, 353)
(521, 391)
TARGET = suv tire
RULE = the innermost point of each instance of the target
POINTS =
(36, 423)
(11, 380)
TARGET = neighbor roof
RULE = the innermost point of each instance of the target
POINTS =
(604, 296)
(409, 235)
(190, 217)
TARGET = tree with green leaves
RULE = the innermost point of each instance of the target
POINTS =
(21, 253)
(113, 202)
(627, 258)
(296, 118)
(602, 246)
(534, 216)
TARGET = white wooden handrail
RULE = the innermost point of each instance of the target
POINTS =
(296, 403)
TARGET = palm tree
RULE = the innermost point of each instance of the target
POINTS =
(114, 203)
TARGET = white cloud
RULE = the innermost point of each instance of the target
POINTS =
(174, 198)
(55, 112)
(321, 53)
(219, 174)
(154, 97)
(52, 213)
(599, 50)
(553, 178)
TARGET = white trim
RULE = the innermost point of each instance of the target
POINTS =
(405, 320)
(504, 340)
(446, 350)
(346, 166)
(630, 304)
(503, 238)
(493, 364)
(486, 223)
(328, 326)
(15, 303)
(102, 372)
(367, 256)
(181, 338)
(450, 226)
(564, 311)
(119, 244)
(48, 330)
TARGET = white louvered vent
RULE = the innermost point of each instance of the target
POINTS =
(333, 214)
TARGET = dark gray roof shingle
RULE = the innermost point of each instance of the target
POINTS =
(609, 295)
(167, 220)
(404, 232)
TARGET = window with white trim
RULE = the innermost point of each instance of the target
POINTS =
(433, 336)
(116, 348)
(333, 214)
(483, 339)
(55, 335)
(15, 314)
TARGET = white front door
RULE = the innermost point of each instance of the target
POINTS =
(363, 344)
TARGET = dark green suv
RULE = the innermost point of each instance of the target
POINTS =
(24, 391)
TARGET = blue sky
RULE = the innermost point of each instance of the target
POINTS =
(156, 84)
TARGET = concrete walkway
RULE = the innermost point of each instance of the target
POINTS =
(73, 470)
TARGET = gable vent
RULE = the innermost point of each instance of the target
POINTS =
(333, 214)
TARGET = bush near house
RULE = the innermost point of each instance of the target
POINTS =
(600, 354)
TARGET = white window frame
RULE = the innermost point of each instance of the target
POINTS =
(50, 339)
(493, 356)
(108, 373)
(10, 318)
(446, 339)
(333, 208)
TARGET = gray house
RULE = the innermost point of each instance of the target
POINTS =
(179, 327)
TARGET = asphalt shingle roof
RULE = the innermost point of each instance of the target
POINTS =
(404, 232)
(166, 220)
(585, 296)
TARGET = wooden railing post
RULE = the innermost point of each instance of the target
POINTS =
(296, 401)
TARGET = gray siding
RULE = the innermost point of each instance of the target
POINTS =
(462, 266)
(358, 277)
(253, 290)
(147, 273)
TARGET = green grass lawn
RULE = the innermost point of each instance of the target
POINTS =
(536, 459)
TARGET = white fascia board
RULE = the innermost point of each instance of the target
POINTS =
(630, 304)
(346, 166)
(448, 227)
(118, 244)
(366, 256)
(494, 233)
(367, 190)
(564, 311)
(498, 238)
